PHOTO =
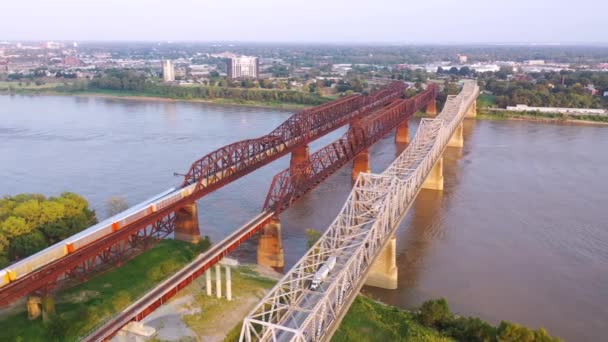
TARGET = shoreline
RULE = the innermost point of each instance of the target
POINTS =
(540, 120)
(132, 97)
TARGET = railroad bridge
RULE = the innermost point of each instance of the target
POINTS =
(174, 212)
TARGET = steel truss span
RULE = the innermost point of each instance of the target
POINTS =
(240, 158)
(370, 216)
(290, 184)
(146, 227)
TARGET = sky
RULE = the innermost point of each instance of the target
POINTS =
(301, 21)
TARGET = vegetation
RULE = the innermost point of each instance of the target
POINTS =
(32, 222)
(436, 314)
(368, 320)
(83, 307)
(131, 81)
(546, 89)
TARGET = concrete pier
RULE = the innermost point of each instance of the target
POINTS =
(402, 134)
(431, 108)
(360, 164)
(186, 224)
(218, 281)
(270, 246)
(457, 139)
(33, 307)
(472, 111)
(383, 272)
(208, 282)
(228, 284)
(434, 180)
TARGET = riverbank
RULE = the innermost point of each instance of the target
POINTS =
(81, 308)
(8, 88)
(488, 114)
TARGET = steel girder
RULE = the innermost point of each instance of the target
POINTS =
(292, 183)
(370, 216)
(236, 160)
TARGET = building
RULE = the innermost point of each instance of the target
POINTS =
(168, 71)
(462, 59)
(571, 111)
(243, 67)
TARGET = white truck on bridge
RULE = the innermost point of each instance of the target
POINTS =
(323, 272)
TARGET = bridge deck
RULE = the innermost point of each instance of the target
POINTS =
(370, 216)
(168, 288)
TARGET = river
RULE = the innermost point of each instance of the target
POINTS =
(520, 232)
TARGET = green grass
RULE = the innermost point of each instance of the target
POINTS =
(24, 86)
(368, 320)
(83, 307)
(486, 114)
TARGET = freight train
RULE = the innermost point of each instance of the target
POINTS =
(106, 227)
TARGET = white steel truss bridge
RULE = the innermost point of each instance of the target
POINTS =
(291, 311)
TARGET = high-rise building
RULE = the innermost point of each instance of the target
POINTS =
(168, 71)
(242, 67)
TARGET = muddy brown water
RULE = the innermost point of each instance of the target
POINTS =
(520, 232)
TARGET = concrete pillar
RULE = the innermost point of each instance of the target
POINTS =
(434, 180)
(383, 272)
(228, 284)
(472, 111)
(431, 108)
(457, 139)
(48, 307)
(270, 246)
(402, 134)
(218, 280)
(300, 155)
(361, 164)
(33, 307)
(208, 282)
(186, 224)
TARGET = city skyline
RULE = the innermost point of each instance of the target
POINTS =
(430, 22)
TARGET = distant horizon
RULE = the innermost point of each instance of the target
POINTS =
(337, 43)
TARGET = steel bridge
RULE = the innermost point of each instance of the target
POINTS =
(291, 311)
(207, 174)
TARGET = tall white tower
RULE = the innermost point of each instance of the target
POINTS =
(168, 71)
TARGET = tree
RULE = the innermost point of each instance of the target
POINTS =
(510, 332)
(28, 244)
(115, 205)
(14, 226)
(435, 313)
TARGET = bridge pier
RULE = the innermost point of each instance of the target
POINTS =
(402, 134)
(383, 272)
(472, 110)
(431, 108)
(361, 164)
(186, 224)
(457, 139)
(218, 280)
(33, 307)
(270, 246)
(434, 180)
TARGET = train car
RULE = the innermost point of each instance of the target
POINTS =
(90, 235)
(36, 261)
(83, 238)
(4, 278)
(112, 224)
